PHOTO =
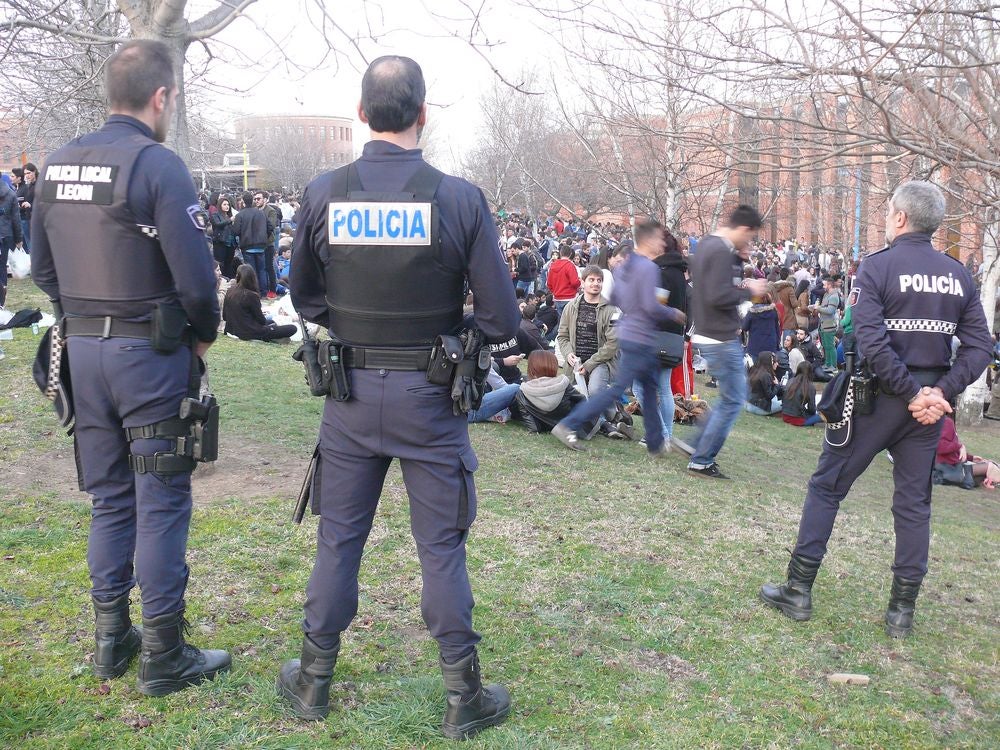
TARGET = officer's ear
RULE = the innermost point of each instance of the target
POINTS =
(422, 117)
(361, 114)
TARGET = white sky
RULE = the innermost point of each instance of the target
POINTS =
(456, 74)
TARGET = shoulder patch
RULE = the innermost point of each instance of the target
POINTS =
(852, 299)
(198, 217)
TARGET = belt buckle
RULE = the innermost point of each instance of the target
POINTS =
(106, 333)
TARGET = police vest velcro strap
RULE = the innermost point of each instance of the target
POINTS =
(106, 327)
(386, 359)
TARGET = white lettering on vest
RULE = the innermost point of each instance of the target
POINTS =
(74, 192)
(927, 284)
(372, 223)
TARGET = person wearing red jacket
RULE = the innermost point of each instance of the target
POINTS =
(564, 278)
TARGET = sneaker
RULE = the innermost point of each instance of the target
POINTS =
(713, 383)
(567, 437)
(501, 417)
(609, 431)
(711, 471)
(272, 295)
(642, 442)
(665, 450)
(626, 430)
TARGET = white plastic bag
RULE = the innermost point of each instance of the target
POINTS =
(20, 263)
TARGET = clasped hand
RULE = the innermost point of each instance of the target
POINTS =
(929, 405)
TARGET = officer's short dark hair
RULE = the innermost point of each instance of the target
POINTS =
(136, 71)
(923, 204)
(647, 229)
(745, 216)
(392, 92)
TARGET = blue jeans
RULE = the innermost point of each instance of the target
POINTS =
(775, 408)
(258, 263)
(666, 401)
(725, 362)
(527, 286)
(495, 402)
(26, 231)
(639, 364)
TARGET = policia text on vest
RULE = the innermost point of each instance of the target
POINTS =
(380, 223)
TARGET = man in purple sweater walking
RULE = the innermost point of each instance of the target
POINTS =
(634, 292)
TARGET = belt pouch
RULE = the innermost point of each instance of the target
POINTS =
(331, 363)
(168, 326)
(445, 355)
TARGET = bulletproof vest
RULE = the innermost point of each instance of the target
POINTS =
(385, 282)
(107, 264)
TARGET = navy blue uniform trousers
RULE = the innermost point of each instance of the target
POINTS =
(913, 447)
(139, 522)
(394, 414)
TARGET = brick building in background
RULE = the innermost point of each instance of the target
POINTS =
(292, 149)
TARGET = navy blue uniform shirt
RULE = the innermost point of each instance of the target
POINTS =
(160, 192)
(468, 239)
(907, 303)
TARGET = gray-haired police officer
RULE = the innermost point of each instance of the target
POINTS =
(382, 252)
(118, 236)
(908, 302)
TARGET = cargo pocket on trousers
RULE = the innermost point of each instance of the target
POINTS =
(467, 491)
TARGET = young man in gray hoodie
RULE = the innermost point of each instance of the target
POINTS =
(719, 288)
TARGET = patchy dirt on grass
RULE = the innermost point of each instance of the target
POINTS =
(245, 469)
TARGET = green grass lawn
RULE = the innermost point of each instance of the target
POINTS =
(616, 596)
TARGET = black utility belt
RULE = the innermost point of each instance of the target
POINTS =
(106, 327)
(166, 331)
(412, 360)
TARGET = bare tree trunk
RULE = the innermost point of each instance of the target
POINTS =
(970, 403)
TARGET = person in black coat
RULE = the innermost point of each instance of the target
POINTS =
(223, 239)
(242, 312)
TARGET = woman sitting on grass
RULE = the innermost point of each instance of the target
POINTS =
(765, 393)
(242, 312)
(953, 464)
(799, 406)
(546, 396)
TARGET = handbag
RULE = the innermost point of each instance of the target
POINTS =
(669, 348)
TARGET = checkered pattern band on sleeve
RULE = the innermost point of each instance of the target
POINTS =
(924, 325)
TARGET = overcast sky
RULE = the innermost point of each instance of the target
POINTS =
(456, 74)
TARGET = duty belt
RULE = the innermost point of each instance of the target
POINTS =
(106, 328)
(386, 359)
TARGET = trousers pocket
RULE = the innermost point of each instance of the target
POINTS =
(467, 489)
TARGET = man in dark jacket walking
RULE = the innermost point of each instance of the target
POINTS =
(719, 288)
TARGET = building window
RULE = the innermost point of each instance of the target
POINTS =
(312, 131)
(322, 132)
(300, 130)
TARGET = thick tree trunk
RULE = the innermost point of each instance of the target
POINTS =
(970, 403)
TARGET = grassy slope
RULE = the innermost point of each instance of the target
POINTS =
(616, 597)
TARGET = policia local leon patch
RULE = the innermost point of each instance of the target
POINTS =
(79, 183)
(376, 223)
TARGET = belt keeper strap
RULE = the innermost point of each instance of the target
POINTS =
(161, 463)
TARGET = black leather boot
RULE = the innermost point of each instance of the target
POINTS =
(168, 663)
(305, 682)
(471, 707)
(902, 602)
(794, 596)
(118, 640)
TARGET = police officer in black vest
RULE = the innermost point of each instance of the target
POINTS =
(119, 246)
(382, 252)
(908, 302)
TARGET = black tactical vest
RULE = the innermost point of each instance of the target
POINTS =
(385, 283)
(106, 263)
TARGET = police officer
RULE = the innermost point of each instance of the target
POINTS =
(118, 242)
(908, 302)
(382, 252)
